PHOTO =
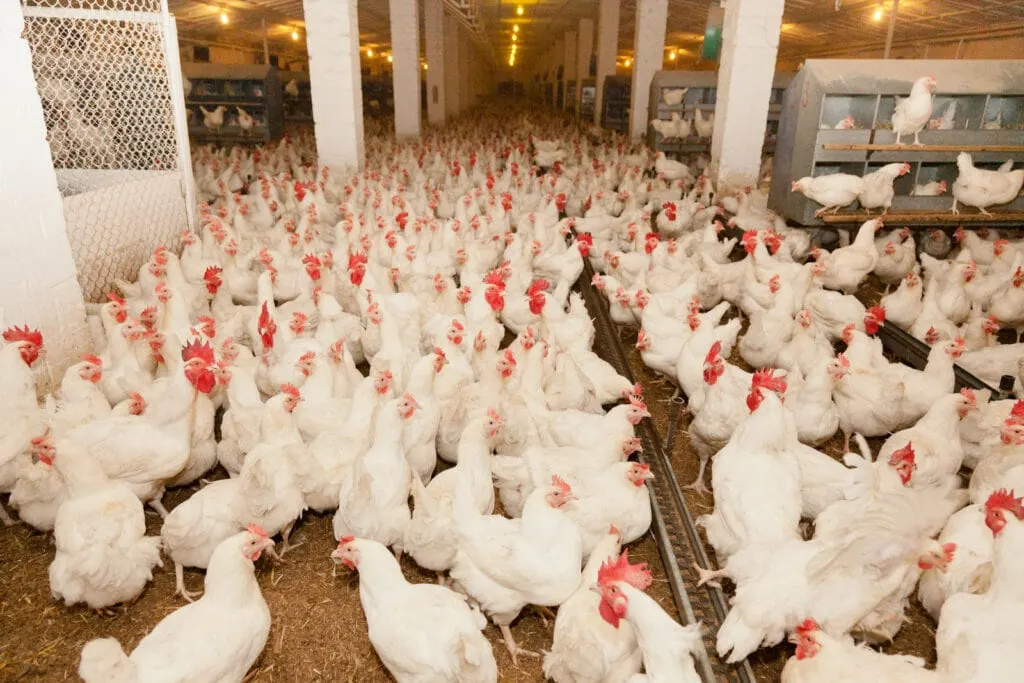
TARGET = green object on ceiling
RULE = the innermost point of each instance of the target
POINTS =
(712, 43)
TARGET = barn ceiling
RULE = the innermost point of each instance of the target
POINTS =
(811, 27)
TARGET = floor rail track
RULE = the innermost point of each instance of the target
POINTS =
(674, 530)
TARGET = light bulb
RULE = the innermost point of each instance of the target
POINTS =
(515, 28)
(425, 67)
(369, 52)
(672, 56)
(514, 37)
(879, 13)
(295, 35)
(390, 58)
(511, 61)
(223, 17)
(628, 62)
(519, 10)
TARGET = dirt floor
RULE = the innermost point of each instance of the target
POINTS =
(318, 633)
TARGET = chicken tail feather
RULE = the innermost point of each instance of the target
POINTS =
(103, 659)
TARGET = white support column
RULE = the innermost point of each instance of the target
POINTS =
(607, 48)
(433, 26)
(584, 49)
(452, 40)
(38, 283)
(750, 40)
(332, 42)
(570, 67)
(405, 72)
(648, 55)
(465, 65)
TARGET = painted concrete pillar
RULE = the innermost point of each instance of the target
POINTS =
(648, 54)
(433, 26)
(332, 42)
(405, 72)
(570, 67)
(607, 48)
(750, 41)
(584, 49)
(452, 99)
(465, 66)
(38, 282)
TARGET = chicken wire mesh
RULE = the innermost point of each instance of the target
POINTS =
(101, 72)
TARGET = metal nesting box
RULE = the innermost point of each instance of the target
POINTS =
(977, 95)
(702, 93)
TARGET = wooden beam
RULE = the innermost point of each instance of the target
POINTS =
(927, 218)
(1011, 149)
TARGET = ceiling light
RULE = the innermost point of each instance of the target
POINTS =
(390, 58)
(295, 35)
(672, 56)
(519, 10)
(369, 52)
(628, 63)
(223, 17)
(425, 66)
(511, 61)
(879, 13)
(515, 28)
(514, 37)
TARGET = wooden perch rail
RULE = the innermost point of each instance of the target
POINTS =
(927, 218)
(1009, 149)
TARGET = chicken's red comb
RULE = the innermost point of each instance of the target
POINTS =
(203, 351)
(311, 259)
(637, 390)
(560, 483)
(439, 352)
(637, 402)
(713, 352)
(494, 414)
(212, 272)
(636, 575)
(510, 357)
(23, 334)
(614, 530)
(307, 356)
(968, 394)
(878, 312)
(539, 285)
(766, 379)
(345, 540)
(905, 454)
(116, 298)
(807, 626)
(257, 530)
(586, 238)
(1018, 409)
(290, 389)
(92, 359)
(1004, 499)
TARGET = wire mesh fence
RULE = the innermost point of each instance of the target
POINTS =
(102, 76)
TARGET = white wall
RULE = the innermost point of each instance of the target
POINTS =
(38, 286)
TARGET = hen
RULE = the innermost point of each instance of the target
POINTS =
(213, 640)
(981, 188)
(913, 113)
(420, 631)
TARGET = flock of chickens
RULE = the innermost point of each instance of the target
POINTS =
(977, 187)
(327, 340)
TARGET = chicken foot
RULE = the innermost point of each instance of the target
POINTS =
(285, 545)
(158, 505)
(513, 649)
(179, 583)
(545, 613)
(710, 576)
(698, 484)
(6, 518)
